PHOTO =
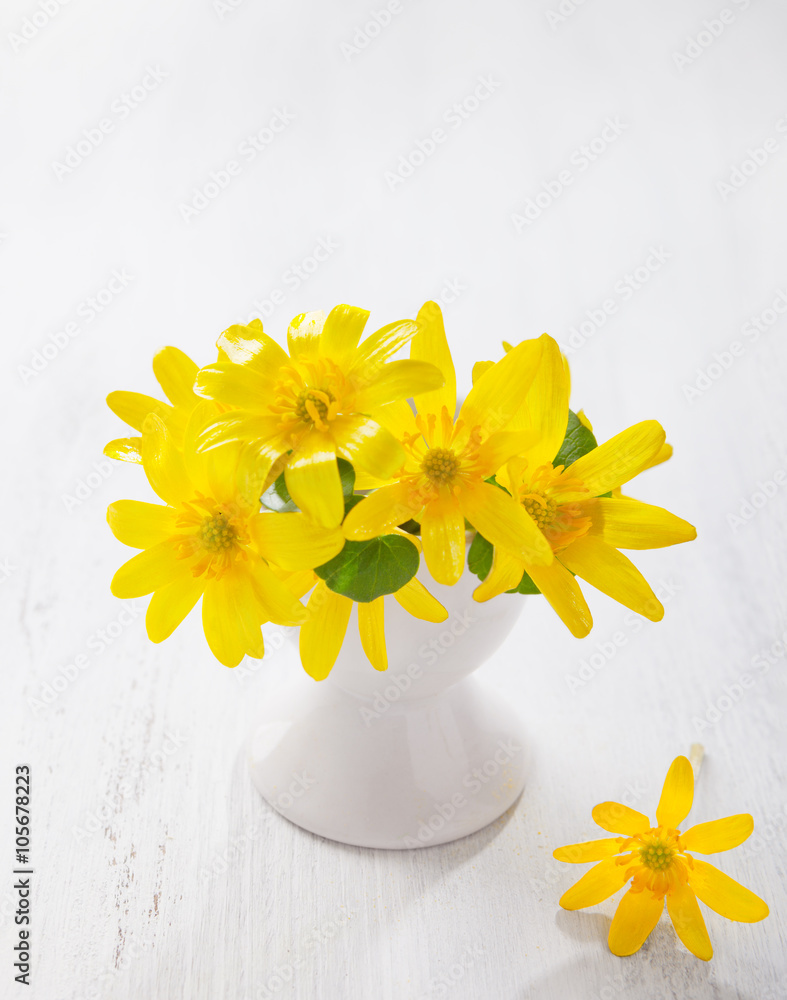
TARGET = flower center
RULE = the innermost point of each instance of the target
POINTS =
(440, 465)
(216, 533)
(541, 508)
(312, 405)
(657, 855)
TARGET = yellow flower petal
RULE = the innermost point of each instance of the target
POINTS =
(277, 602)
(417, 601)
(398, 418)
(595, 886)
(380, 345)
(630, 524)
(544, 411)
(620, 459)
(313, 481)
(294, 542)
(505, 574)
(342, 331)
(609, 571)
(637, 914)
(175, 373)
(139, 524)
(163, 463)
(677, 794)
(724, 895)
(430, 344)
(564, 595)
(371, 619)
(219, 623)
(250, 610)
(380, 511)
(303, 334)
(504, 522)
(687, 921)
(662, 455)
(249, 346)
(259, 466)
(480, 368)
(170, 604)
(443, 538)
(322, 636)
(125, 449)
(372, 449)
(237, 425)
(590, 850)
(502, 446)
(617, 818)
(498, 394)
(147, 571)
(133, 407)
(235, 385)
(397, 380)
(718, 834)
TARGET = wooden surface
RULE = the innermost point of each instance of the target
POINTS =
(159, 873)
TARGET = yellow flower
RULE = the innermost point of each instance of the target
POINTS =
(321, 637)
(442, 480)
(314, 403)
(656, 862)
(584, 529)
(175, 373)
(202, 544)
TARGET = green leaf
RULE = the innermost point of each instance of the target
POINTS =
(577, 442)
(347, 476)
(479, 561)
(277, 496)
(479, 558)
(411, 527)
(364, 571)
(526, 586)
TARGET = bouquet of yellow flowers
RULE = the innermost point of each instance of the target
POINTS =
(328, 469)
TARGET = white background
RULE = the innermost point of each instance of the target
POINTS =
(125, 910)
